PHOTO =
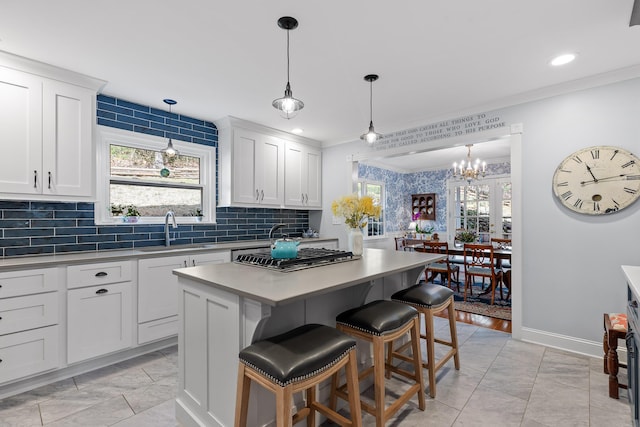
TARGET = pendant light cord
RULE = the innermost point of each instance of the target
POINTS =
(288, 79)
(370, 102)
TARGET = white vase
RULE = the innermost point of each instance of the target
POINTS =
(354, 241)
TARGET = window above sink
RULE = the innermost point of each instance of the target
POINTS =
(134, 171)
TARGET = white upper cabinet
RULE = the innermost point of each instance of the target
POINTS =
(47, 116)
(302, 176)
(257, 169)
(260, 166)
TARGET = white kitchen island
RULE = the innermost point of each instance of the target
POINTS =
(226, 307)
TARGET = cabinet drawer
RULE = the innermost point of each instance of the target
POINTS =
(26, 282)
(28, 353)
(99, 320)
(28, 312)
(157, 329)
(98, 274)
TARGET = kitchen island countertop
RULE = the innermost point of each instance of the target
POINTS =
(277, 288)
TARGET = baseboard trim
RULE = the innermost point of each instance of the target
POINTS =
(566, 343)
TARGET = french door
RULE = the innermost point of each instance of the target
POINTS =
(484, 206)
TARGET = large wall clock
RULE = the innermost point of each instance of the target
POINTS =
(598, 180)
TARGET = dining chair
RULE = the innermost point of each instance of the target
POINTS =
(503, 265)
(479, 261)
(444, 267)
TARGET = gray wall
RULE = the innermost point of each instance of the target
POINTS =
(571, 263)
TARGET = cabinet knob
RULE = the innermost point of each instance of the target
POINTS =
(101, 274)
(101, 291)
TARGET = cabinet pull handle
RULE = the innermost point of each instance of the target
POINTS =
(302, 198)
(633, 304)
(185, 262)
(35, 179)
(101, 291)
(257, 195)
(193, 262)
(49, 180)
(306, 198)
(261, 195)
(101, 273)
(0, 317)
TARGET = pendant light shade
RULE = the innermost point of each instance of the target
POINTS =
(371, 137)
(288, 105)
(170, 150)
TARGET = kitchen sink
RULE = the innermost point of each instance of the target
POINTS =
(177, 247)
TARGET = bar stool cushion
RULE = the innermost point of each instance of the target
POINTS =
(298, 354)
(378, 317)
(424, 295)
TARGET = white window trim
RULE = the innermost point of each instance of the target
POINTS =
(383, 199)
(108, 136)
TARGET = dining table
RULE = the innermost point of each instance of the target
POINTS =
(500, 254)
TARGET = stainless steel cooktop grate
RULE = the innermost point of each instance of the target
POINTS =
(307, 258)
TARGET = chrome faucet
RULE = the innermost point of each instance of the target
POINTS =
(167, 239)
(273, 229)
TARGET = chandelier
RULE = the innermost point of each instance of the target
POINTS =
(472, 170)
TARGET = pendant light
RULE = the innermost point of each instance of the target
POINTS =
(288, 105)
(170, 151)
(371, 137)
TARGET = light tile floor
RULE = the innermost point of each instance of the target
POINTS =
(501, 382)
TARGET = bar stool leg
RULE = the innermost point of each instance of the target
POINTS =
(283, 406)
(454, 334)
(351, 374)
(417, 365)
(379, 375)
(431, 354)
(242, 397)
(311, 397)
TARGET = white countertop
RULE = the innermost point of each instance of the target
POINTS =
(51, 260)
(277, 288)
(632, 273)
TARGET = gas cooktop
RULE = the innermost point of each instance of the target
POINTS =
(307, 258)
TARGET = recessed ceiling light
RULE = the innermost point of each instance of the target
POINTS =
(563, 59)
(297, 131)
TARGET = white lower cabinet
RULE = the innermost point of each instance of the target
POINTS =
(158, 292)
(30, 352)
(29, 316)
(99, 320)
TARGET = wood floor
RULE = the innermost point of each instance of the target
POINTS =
(479, 320)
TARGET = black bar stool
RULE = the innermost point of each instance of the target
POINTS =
(430, 299)
(380, 323)
(296, 361)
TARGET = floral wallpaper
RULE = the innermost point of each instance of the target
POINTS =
(400, 186)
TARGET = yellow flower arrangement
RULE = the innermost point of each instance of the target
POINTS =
(355, 210)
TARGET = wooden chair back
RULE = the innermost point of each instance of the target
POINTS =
(479, 255)
(400, 243)
(499, 243)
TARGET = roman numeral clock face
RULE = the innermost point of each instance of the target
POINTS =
(598, 180)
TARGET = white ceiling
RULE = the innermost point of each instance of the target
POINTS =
(434, 58)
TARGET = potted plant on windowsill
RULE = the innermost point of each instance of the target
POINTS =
(131, 214)
(197, 214)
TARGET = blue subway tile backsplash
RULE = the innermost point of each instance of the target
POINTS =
(36, 227)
